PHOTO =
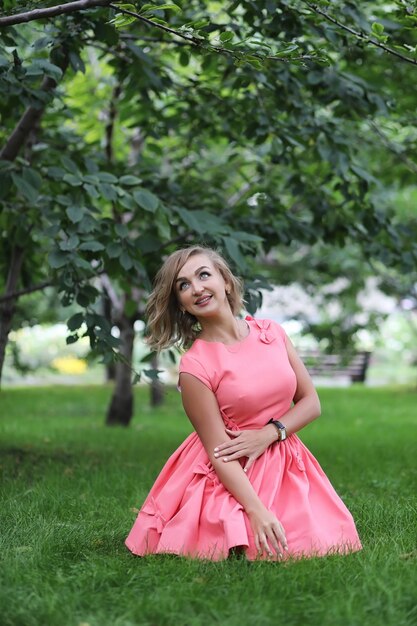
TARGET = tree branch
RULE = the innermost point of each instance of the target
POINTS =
(59, 9)
(190, 39)
(360, 35)
(201, 43)
(23, 292)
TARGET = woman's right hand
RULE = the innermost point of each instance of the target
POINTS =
(268, 532)
(246, 443)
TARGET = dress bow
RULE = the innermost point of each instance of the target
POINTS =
(151, 508)
(206, 470)
(266, 335)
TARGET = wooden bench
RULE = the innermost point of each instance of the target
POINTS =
(320, 364)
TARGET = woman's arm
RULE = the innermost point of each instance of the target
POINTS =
(252, 443)
(202, 409)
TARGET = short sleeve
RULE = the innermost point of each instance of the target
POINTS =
(280, 331)
(190, 365)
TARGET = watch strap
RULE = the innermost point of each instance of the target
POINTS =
(282, 431)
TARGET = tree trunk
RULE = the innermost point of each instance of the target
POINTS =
(7, 309)
(107, 313)
(120, 410)
(157, 388)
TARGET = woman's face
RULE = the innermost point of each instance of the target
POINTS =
(200, 287)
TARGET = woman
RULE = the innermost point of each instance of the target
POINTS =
(243, 480)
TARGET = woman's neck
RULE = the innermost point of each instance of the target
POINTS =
(226, 331)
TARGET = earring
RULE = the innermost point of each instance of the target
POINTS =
(227, 292)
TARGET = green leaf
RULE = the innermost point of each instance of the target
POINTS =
(42, 66)
(254, 61)
(125, 260)
(202, 222)
(150, 8)
(70, 165)
(184, 58)
(57, 259)
(359, 171)
(120, 21)
(285, 52)
(106, 177)
(75, 321)
(121, 230)
(127, 201)
(106, 33)
(72, 180)
(129, 180)
(91, 179)
(108, 191)
(233, 251)
(71, 339)
(26, 189)
(147, 243)
(378, 29)
(32, 177)
(91, 246)
(82, 264)
(136, 378)
(91, 190)
(64, 200)
(198, 24)
(157, 20)
(5, 185)
(88, 224)
(163, 226)
(127, 7)
(146, 199)
(56, 172)
(75, 213)
(42, 42)
(76, 62)
(70, 244)
(153, 374)
(82, 300)
(113, 250)
(87, 295)
(245, 237)
(227, 35)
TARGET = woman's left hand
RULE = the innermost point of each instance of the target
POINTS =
(245, 443)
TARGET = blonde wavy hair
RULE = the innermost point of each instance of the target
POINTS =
(167, 324)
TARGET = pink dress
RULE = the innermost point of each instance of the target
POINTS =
(188, 510)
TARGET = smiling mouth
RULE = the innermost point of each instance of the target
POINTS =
(202, 301)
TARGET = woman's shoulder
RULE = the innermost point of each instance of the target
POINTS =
(198, 351)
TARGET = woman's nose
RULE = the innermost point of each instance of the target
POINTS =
(197, 288)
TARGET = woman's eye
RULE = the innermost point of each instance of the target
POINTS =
(183, 285)
(204, 274)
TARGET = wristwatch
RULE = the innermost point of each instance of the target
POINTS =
(282, 432)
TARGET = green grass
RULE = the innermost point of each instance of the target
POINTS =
(69, 486)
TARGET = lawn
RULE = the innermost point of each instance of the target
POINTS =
(70, 487)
